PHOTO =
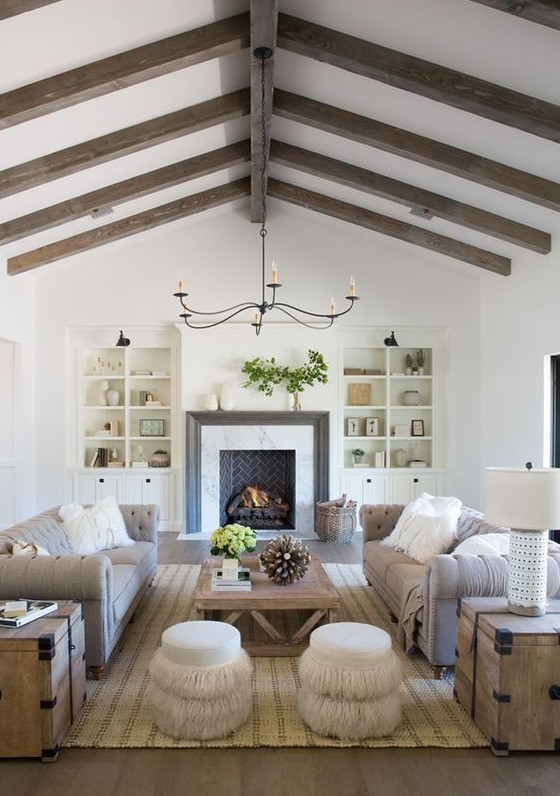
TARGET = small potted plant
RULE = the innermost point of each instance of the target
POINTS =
(159, 458)
(408, 362)
(230, 541)
(420, 361)
(358, 454)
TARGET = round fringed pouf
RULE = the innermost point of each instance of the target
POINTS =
(200, 681)
(350, 680)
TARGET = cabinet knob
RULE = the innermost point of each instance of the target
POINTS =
(368, 480)
(415, 480)
(101, 480)
(148, 480)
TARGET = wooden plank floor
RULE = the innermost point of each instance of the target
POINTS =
(279, 772)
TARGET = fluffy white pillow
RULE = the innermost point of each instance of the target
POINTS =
(483, 544)
(426, 527)
(100, 527)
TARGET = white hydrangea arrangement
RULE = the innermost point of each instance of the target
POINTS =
(232, 540)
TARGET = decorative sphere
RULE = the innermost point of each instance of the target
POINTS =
(285, 559)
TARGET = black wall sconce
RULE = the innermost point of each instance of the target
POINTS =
(123, 341)
(389, 341)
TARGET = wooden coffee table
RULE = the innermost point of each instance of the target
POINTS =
(309, 602)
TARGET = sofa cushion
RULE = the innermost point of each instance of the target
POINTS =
(472, 522)
(426, 527)
(100, 527)
(126, 584)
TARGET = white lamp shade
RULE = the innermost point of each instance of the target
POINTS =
(524, 499)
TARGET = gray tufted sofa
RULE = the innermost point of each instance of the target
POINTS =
(109, 584)
(422, 598)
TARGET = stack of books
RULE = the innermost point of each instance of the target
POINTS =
(241, 583)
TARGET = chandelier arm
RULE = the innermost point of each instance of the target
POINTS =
(281, 305)
(305, 323)
(246, 305)
(216, 323)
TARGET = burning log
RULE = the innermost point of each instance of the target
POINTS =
(256, 501)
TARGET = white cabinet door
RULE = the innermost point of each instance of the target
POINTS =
(150, 487)
(88, 488)
(408, 486)
(366, 488)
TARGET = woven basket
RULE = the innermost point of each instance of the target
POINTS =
(334, 524)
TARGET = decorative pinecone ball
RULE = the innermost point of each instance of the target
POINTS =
(285, 559)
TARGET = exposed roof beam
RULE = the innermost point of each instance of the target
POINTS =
(129, 226)
(389, 226)
(264, 21)
(543, 12)
(123, 142)
(422, 77)
(11, 8)
(125, 69)
(410, 196)
(418, 148)
(134, 188)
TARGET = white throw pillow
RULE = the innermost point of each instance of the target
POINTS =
(483, 544)
(427, 526)
(100, 527)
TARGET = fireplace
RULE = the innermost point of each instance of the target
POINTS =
(212, 436)
(258, 488)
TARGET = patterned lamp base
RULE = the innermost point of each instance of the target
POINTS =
(527, 572)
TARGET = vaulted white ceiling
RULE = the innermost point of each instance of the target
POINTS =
(473, 171)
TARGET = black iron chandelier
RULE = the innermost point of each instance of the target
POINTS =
(313, 320)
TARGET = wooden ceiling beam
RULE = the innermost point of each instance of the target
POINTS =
(389, 226)
(123, 142)
(543, 12)
(264, 21)
(406, 72)
(125, 69)
(132, 225)
(11, 8)
(397, 141)
(120, 192)
(410, 196)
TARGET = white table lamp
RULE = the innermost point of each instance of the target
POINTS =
(527, 501)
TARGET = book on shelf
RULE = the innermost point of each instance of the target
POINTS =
(15, 613)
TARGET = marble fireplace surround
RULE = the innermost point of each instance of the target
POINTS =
(208, 432)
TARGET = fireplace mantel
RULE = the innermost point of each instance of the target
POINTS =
(195, 423)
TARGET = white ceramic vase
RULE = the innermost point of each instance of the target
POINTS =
(102, 395)
(227, 397)
(211, 402)
(113, 397)
(411, 398)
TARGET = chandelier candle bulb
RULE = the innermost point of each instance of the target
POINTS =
(352, 286)
(333, 307)
(180, 283)
(274, 273)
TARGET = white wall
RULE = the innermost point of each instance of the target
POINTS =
(520, 330)
(17, 332)
(129, 284)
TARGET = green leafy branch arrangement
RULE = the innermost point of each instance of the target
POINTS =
(266, 374)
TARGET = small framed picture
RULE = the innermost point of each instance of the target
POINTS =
(417, 428)
(352, 427)
(152, 428)
(372, 426)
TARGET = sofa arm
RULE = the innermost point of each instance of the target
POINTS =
(142, 521)
(449, 577)
(378, 520)
(69, 577)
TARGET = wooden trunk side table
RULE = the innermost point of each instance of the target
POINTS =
(42, 682)
(507, 674)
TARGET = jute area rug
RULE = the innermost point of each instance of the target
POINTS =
(116, 714)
